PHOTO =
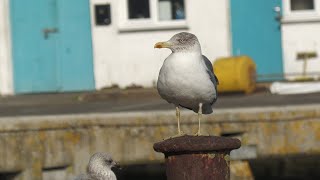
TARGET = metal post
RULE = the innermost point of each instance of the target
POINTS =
(197, 157)
(305, 61)
(306, 56)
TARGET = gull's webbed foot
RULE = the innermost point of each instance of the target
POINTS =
(181, 133)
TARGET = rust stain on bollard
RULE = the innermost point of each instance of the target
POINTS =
(197, 157)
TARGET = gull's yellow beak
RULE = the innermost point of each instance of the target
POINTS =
(162, 45)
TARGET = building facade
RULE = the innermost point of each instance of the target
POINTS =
(123, 49)
(79, 45)
(300, 34)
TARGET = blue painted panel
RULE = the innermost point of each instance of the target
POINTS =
(62, 61)
(257, 33)
(76, 67)
(34, 57)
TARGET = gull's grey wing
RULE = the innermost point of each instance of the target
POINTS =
(213, 77)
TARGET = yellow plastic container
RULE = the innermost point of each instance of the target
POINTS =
(235, 74)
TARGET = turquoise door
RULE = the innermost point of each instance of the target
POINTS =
(76, 69)
(256, 32)
(51, 45)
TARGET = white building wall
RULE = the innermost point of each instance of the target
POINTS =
(126, 57)
(6, 82)
(300, 33)
(300, 37)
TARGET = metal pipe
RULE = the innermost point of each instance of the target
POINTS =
(197, 157)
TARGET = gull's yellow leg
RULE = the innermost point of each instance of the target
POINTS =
(199, 118)
(180, 133)
(178, 119)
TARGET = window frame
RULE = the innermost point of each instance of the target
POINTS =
(300, 15)
(152, 23)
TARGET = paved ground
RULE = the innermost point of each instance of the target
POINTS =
(115, 100)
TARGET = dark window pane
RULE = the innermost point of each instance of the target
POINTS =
(138, 9)
(103, 14)
(302, 5)
(171, 9)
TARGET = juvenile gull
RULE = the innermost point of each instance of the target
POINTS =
(186, 77)
(99, 168)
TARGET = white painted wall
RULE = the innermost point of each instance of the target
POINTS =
(297, 38)
(6, 82)
(125, 58)
(300, 32)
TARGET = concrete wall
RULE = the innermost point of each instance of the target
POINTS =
(6, 84)
(43, 147)
(124, 53)
(300, 32)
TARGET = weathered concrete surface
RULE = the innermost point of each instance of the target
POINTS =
(241, 170)
(49, 146)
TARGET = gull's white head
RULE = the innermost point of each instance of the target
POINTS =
(181, 42)
(100, 163)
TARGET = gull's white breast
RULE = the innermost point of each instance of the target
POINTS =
(184, 80)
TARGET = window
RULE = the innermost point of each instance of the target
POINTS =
(142, 15)
(300, 11)
(138, 9)
(171, 9)
(298, 5)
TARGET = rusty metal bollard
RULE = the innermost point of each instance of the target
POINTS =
(197, 157)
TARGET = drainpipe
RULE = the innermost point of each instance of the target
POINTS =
(197, 157)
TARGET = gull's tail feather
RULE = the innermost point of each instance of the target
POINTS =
(207, 109)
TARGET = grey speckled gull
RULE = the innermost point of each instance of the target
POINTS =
(99, 168)
(186, 77)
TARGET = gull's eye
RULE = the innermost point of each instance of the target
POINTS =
(109, 161)
(181, 40)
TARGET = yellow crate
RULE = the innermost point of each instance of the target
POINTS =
(235, 74)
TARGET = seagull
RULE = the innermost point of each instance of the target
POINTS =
(186, 78)
(99, 168)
